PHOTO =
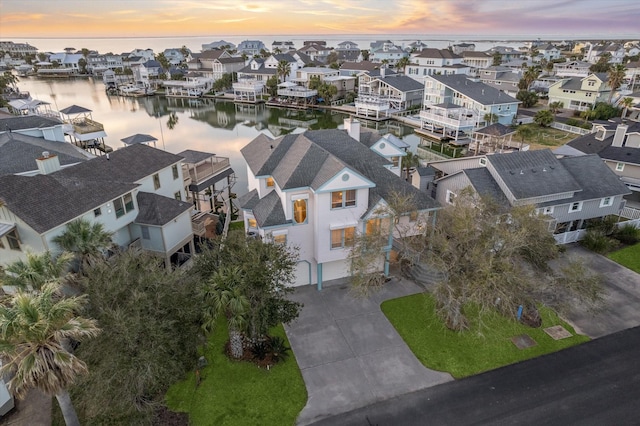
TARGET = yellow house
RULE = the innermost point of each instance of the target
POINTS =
(580, 93)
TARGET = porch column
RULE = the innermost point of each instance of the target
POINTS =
(319, 276)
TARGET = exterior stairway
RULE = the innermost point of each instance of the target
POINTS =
(424, 275)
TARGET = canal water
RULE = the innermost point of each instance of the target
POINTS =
(216, 126)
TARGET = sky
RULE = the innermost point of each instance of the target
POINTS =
(158, 18)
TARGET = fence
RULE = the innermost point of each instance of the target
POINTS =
(570, 129)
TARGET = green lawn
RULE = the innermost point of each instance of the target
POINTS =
(545, 137)
(240, 393)
(481, 348)
(628, 256)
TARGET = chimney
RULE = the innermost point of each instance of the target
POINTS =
(352, 127)
(48, 163)
(382, 71)
(618, 137)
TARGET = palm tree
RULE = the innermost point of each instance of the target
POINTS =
(85, 239)
(223, 294)
(524, 132)
(403, 62)
(284, 69)
(33, 329)
(555, 107)
(626, 104)
(410, 160)
(616, 76)
(36, 270)
(490, 118)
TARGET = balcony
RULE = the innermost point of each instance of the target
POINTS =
(248, 85)
(300, 92)
(451, 120)
(85, 125)
(374, 103)
(206, 169)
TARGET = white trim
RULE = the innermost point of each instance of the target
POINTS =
(579, 207)
(343, 225)
(604, 203)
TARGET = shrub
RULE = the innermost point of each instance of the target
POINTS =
(627, 234)
(279, 350)
(596, 241)
(606, 225)
(578, 123)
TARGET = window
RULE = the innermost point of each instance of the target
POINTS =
(378, 226)
(97, 212)
(395, 161)
(156, 181)
(575, 207)
(13, 240)
(450, 197)
(591, 83)
(341, 238)
(174, 169)
(270, 182)
(547, 210)
(606, 202)
(280, 239)
(300, 211)
(483, 161)
(619, 167)
(178, 196)
(252, 223)
(145, 232)
(342, 199)
(123, 205)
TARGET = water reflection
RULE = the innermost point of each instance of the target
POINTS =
(215, 126)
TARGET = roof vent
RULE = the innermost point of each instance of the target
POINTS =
(544, 169)
(521, 172)
(45, 154)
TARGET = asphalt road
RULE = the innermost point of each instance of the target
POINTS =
(597, 383)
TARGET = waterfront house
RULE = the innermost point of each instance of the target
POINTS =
(476, 61)
(18, 49)
(348, 51)
(435, 61)
(251, 47)
(176, 56)
(316, 191)
(381, 92)
(135, 192)
(252, 81)
(215, 63)
(455, 105)
(67, 60)
(548, 52)
(597, 51)
(501, 78)
(571, 192)
(385, 51)
(317, 52)
(507, 54)
(355, 68)
(580, 94)
(572, 69)
(461, 48)
(282, 47)
(218, 45)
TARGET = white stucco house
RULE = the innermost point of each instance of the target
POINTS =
(317, 190)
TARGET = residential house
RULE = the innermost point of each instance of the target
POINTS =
(632, 74)
(176, 56)
(386, 52)
(318, 190)
(381, 92)
(252, 80)
(435, 61)
(98, 64)
(46, 127)
(355, 68)
(507, 53)
(154, 68)
(572, 69)
(580, 94)
(215, 63)
(251, 47)
(571, 191)
(548, 52)
(476, 61)
(416, 46)
(501, 78)
(218, 45)
(633, 50)
(134, 192)
(274, 60)
(317, 52)
(282, 47)
(617, 143)
(455, 105)
(348, 51)
(18, 49)
(147, 54)
(67, 60)
(596, 51)
(461, 48)
(343, 84)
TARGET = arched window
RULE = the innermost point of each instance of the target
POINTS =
(300, 211)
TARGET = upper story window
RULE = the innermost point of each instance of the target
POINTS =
(451, 197)
(483, 161)
(342, 199)
(341, 238)
(300, 211)
(619, 167)
(156, 181)
(97, 212)
(14, 240)
(178, 196)
(270, 182)
(606, 202)
(123, 204)
(174, 170)
(575, 207)
(591, 83)
(395, 161)
(252, 223)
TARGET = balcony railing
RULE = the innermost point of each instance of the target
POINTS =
(449, 121)
(86, 125)
(298, 93)
(249, 85)
(372, 102)
(207, 169)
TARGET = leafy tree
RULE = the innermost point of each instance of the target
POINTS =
(172, 122)
(616, 76)
(82, 64)
(496, 259)
(497, 59)
(153, 317)
(164, 61)
(365, 54)
(332, 58)
(327, 91)
(272, 85)
(34, 330)
(528, 99)
(604, 111)
(266, 270)
(530, 75)
(36, 270)
(603, 63)
(543, 118)
(85, 240)
(524, 132)
(314, 82)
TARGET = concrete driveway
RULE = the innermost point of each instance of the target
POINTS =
(349, 353)
(622, 297)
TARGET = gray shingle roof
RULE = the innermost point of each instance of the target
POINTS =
(486, 186)
(595, 178)
(495, 129)
(249, 200)
(27, 122)
(268, 211)
(403, 83)
(74, 109)
(622, 154)
(193, 157)
(588, 144)
(19, 152)
(158, 210)
(139, 138)
(530, 174)
(479, 92)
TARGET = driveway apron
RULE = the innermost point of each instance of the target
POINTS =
(349, 353)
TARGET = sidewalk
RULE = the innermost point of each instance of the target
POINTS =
(349, 353)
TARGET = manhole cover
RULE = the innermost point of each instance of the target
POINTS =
(523, 341)
(557, 332)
